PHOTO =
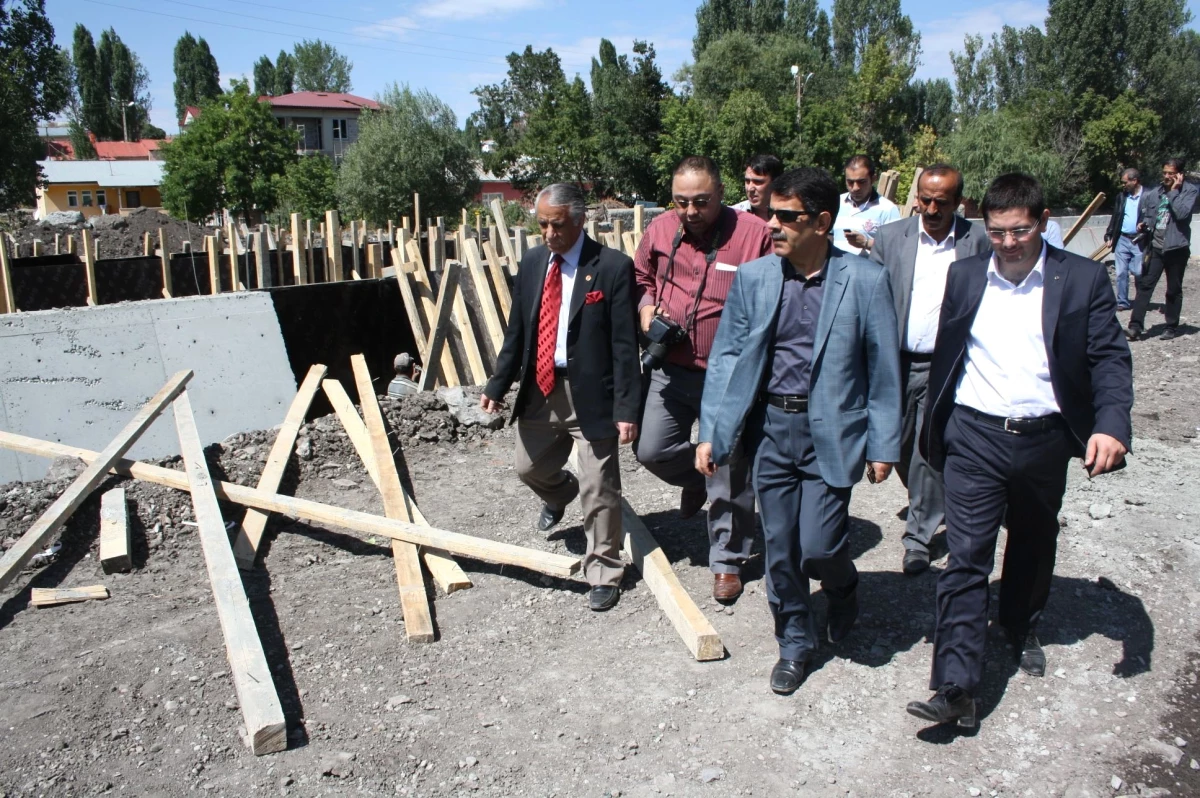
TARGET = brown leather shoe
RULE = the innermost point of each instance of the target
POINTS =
(726, 587)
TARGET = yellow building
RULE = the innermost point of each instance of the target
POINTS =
(97, 187)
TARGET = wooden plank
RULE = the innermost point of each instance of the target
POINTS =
(245, 547)
(439, 325)
(70, 244)
(413, 311)
(414, 602)
(483, 290)
(499, 281)
(89, 265)
(8, 300)
(146, 250)
(262, 713)
(629, 245)
(355, 256)
(363, 524)
(115, 542)
(299, 269)
(416, 228)
(57, 513)
(374, 261)
(505, 242)
(520, 247)
(333, 248)
(1082, 220)
(213, 246)
(165, 257)
(449, 371)
(442, 567)
(49, 597)
(235, 277)
(1102, 252)
(639, 218)
(907, 210)
(262, 258)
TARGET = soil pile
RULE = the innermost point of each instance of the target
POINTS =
(116, 235)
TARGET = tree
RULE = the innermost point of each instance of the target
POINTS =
(973, 88)
(996, 142)
(228, 158)
(876, 95)
(285, 74)
(559, 145)
(307, 187)
(197, 77)
(1117, 134)
(412, 144)
(504, 107)
(930, 103)
(1082, 36)
(264, 77)
(626, 103)
(687, 130)
(91, 84)
(859, 24)
(34, 84)
(320, 67)
(715, 18)
(805, 20)
(128, 82)
(738, 61)
(747, 125)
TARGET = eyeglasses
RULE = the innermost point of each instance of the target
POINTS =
(700, 203)
(1020, 234)
(789, 217)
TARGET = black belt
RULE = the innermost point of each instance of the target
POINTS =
(786, 403)
(916, 357)
(560, 374)
(1129, 235)
(1018, 426)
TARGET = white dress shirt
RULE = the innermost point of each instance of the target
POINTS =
(866, 218)
(928, 287)
(1007, 372)
(570, 265)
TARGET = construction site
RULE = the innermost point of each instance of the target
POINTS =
(259, 538)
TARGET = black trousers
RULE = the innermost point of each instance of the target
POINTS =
(1173, 264)
(993, 476)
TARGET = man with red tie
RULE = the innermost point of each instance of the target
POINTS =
(572, 343)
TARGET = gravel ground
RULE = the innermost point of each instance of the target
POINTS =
(526, 692)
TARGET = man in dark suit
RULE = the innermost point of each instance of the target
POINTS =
(572, 341)
(1030, 369)
(917, 252)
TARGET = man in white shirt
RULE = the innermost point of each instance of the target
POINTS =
(917, 253)
(1029, 370)
(861, 210)
(761, 171)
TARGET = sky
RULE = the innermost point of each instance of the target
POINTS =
(449, 47)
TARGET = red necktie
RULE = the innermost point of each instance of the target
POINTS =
(548, 325)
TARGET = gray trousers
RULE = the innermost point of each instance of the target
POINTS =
(926, 493)
(806, 527)
(665, 448)
(546, 434)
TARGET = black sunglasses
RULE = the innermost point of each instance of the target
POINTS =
(789, 217)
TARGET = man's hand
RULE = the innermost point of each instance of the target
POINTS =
(1176, 181)
(704, 463)
(879, 471)
(489, 405)
(1107, 238)
(860, 240)
(647, 315)
(1104, 453)
(627, 431)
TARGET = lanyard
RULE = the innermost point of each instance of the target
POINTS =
(709, 258)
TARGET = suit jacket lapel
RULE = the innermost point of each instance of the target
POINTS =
(835, 288)
(963, 233)
(908, 268)
(538, 280)
(1054, 276)
(589, 254)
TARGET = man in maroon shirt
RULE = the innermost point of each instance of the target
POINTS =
(684, 268)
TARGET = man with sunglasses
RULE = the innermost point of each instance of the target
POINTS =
(807, 365)
(917, 252)
(1030, 370)
(1165, 213)
(684, 267)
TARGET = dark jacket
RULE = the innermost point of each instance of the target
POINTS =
(1181, 205)
(602, 351)
(1090, 366)
(1118, 218)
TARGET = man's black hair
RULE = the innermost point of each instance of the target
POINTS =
(699, 163)
(1132, 173)
(944, 170)
(1175, 163)
(861, 162)
(766, 165)
(812, 186)
(1014, 190)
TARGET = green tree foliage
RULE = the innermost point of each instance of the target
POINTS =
(996, 142)
(739, 61)
(264, 77)
(320, 67)
(715, 18)
(34, 84)
(1081, 33)
(228, 158)
(81, 143)
(625, 110)
(285, 74)
(746, 125)
(504, 108)
(412, 144)
(307, 187)
(91, 84)
(109, 75)
(859, 24)
(150, 131)
(1117, 133)
(930, 103)
(687, 130)
(876, 98)
(197, 77)
(806, 20)
(559, 143)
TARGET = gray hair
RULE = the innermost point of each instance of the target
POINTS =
(1132, 174)
(558, 195)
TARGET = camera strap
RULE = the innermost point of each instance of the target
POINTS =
(709, 259)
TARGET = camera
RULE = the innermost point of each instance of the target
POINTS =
(662, 335)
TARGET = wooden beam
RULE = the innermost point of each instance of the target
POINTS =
(1101, 252)
(165, 258)
(907, 210)
(439, 325)
(639, 218)
(89, 265)
(1082, 220)
(363, 524)
(416, 228)
(245, 547)
(414, 602)
(70, 244)
(213, 245)
(262, 713)
(483, 290)
(49, 597)
(412, 310)
(333, 248)
(466, 330)
(630, 245)
(57, 513)
(355, 253)
(8, 300)
(262, 258)
(374, 261)
(442, 567)
(299, 269)
(449, 371)
(115, 541)
(235, 283)
(505, 242)
(499, 281)
(146, 250)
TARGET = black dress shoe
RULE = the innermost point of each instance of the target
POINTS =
(603, 597)
(787, 675)
(1132, 334)
(1169, 334)
(843, 612)
(692, 502)
(915, 562)
(1028, 651)
(950, 704)
(550, 516)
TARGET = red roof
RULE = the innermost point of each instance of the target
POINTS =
(322, 99)
(125, 150)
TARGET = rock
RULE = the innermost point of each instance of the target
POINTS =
(975, 792)
(1180, 742)
(339, 765)
(304, 449)
(1172, 755)
(1099, 511)
(397, 700)
(1154, 792)
(1116, 783)
(709, 775)
(109, 221)
(470, 761)
(347, 484)
(61, 218)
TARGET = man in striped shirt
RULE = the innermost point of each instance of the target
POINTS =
(684, 268)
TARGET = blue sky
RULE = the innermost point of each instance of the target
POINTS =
(451, 46)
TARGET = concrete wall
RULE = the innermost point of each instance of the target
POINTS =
(77, 376)
(1091, 236)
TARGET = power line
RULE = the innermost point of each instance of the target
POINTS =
(289, 36)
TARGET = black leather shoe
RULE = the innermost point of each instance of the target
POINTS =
(1132, 334)
(950, 704)
(843, 612)
(603, 597)
(1169, 334)
(551, 516)
(1029, 654)
(692, 502)
(915, 562)
(787, 675)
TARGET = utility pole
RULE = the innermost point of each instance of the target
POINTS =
(801, 83)
(124, 121)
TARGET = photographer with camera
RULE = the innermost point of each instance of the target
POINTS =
(684, 268)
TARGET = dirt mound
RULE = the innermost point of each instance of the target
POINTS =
(117, 235)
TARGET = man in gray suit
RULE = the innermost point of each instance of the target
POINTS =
(917, 252)
(806, 362)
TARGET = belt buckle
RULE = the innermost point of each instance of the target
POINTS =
(1007, 428)
(791, 404)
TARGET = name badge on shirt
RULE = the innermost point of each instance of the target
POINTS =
(725, 267)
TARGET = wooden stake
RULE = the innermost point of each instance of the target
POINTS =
(333, 248)
(506, 244)
(374, 261)
(639, 218)
(245, 548)
(449, 371)
(499, 281)
(416, 214)
(299, 269)
(70, 244)
(37, 247)
(115, 541)
(355, 253)
(262, 713)
(57, 513)
(165, 257)
(1082, 220)
(483, 290)
(49, 597)
(590, 227)
(213, 245)
(629, 244)
(262, 258)
(439, 324)
(466, 331)
(364, 524)
(235, 283)
(907, 210)
(57, 244)
(412, 310)
(442, 567)
(89, 265)
(8, 300)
